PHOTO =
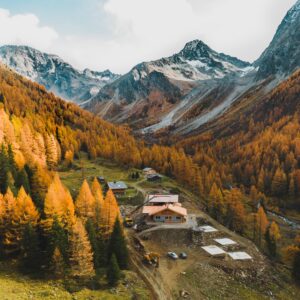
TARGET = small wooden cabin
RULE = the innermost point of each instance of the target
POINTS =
(118, 187)
(149, 171)
(154, 177)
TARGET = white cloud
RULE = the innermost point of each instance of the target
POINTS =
(142, 30)
(25, 29)
(155, 28)
(240, 28)
(150, 29)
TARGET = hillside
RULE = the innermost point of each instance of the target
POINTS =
(55, 244)
(69, 129)
(44, 147)
(179, 94)
(15, 286)
(26, 106)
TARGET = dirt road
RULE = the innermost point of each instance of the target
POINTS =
(149, 274)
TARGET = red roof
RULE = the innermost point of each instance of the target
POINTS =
(153, 210)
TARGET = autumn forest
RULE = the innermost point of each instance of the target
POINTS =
(237, 174)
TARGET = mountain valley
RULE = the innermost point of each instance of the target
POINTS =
(105, 178)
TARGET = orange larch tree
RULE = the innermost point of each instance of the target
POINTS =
(109, 213)
(58, 205)
(85, 203)
(25, 213)
(99, 201)
(8, 237)
(261, 223)
(81, 255)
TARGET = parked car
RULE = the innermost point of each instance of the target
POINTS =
(172, 255)
(183, 255)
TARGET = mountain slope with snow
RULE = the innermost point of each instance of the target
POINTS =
(197, 61)
(230, 97)
(186, 92)
(152, 89)
(56, 75)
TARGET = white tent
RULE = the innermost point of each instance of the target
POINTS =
(239, 255)
(207, 228)
(225, 242)
(213, 250)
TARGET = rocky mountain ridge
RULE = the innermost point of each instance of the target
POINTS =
(55, 74)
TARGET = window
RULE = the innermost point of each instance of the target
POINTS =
(157, 217)
(178, 218)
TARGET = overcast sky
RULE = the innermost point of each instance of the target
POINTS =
(117, 34)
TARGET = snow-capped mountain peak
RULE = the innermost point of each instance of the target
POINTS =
(54, 73)
(193, 87)
(197, 61)
(195, 49)
(152, 88)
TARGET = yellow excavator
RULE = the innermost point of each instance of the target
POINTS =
(152, 258)
(128, 221)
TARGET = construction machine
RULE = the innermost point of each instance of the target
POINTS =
(128, 221)
(152, 259)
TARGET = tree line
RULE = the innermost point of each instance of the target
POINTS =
(79, 238)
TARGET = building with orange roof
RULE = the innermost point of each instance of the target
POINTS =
(167, 213)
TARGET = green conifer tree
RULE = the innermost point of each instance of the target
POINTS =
(271, 244)
(102, 250)
(90, 229)
(113, 271)
(22, 180)
(58, 238)
(30, 250)
(11, 161)
(4, 180)
(117, 245)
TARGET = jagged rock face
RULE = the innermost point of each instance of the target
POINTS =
(197, 61)
(169, 79)
(137, 85)
(282, 57)
(56, 75)
(198, 85)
